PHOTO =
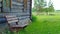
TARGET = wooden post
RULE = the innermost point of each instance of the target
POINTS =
(10, 4)
(2, 6)
(30, 9)
(25, 4)
(7, 3)
(18, 0)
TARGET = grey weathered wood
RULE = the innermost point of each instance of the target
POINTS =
(0, 4)
(18, 10)
(17, 3)
(0, 0)
(12, 19)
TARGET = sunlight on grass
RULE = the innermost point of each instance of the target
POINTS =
(43, 25)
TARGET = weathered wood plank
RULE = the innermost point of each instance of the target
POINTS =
(16, 0)
(0, 4)
(17, 3)
(12, 19)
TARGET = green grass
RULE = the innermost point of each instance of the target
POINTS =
(43, 25)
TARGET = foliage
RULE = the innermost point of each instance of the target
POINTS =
(38, 5)
(33, 18)
(51, 8)
(44, 25)
(33, 9)
(41, 6)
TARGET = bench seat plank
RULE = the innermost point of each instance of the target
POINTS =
(13, 21)
(18, 25)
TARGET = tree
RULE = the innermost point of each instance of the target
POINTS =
(50, 8)
(40, 6)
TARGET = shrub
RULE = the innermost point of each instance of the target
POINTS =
(34, 18)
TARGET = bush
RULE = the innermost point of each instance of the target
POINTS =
(34, 18)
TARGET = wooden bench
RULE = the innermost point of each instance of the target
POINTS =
(13, 23)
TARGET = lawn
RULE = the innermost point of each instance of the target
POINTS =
(43, 25)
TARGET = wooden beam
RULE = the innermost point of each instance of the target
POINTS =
(2, 6)
(18, 0)
(10, 4)
(30, 9)
(7, 3)
(25, 4)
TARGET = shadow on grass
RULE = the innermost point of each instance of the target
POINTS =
(34, 18)
(23, 32)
